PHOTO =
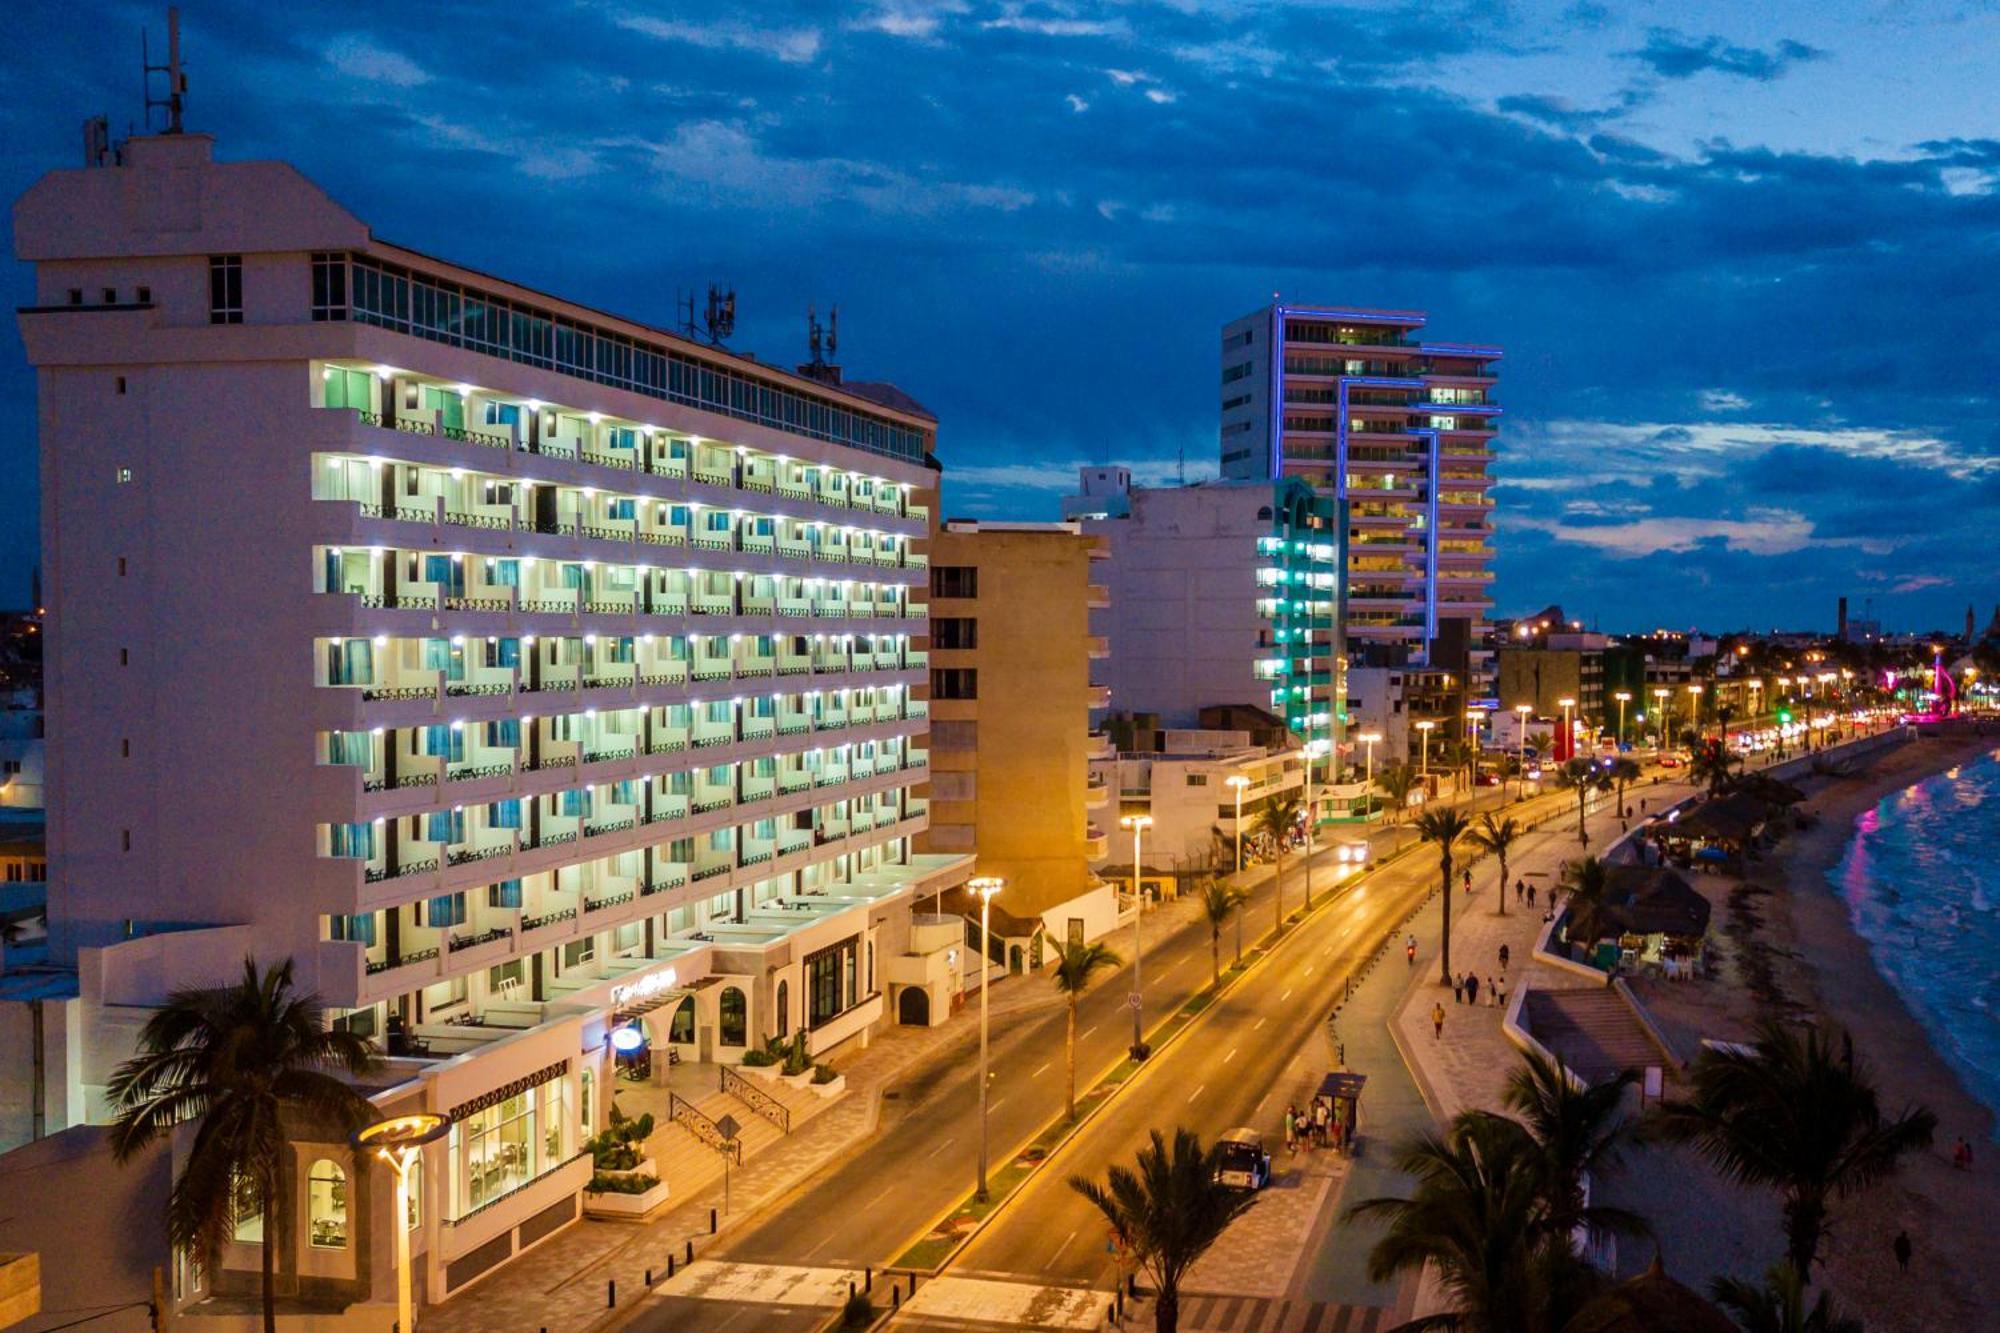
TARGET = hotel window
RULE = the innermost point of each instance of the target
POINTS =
(735, 1019)
(349, 388)
(329, 295)
(248, 1226)
(954, 683)
(497, 1149)
(225, 289)
(955, 632)
(832, 983)
(955, 581)
(326, 1206)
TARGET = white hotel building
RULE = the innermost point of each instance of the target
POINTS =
(495, 659)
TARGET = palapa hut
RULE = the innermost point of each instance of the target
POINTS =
(1651, 1303)
(1726, 826)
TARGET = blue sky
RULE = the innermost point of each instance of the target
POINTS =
(1738, 255)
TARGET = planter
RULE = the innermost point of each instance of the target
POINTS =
(630, 1206)
(829, 1090)
(797, 1080)
(765, 1073)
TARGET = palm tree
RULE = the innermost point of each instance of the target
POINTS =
(1397, 781)
(1444, 825)
(1276, 821)
(1219, 902)
(1711, 765)
(1588, 885)
(1622, 771)
(1476, 1216)
(1166, 1213)
(1497, 836)
(1074, 965)
(241, 1060)
(1779, 1306)
(1582, 776)
(1580, 1131)
(1797, 1115)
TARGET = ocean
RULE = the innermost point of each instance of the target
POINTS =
(1921, 879)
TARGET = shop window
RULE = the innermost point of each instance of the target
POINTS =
(249, 1225)
(326, 1206)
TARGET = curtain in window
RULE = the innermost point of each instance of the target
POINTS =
(503, 414)
(504, 814)
(446, 826)
(574, 804)
(355, 840)
(503, 573)
(623, 509)
(446, 911)
(351, 662)
(449, 406)
(621, 792)
(349, 747)
(505, 733)
(507, 893)
(360, 929)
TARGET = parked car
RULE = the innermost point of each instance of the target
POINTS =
(1242, 1163)
(1670, 761)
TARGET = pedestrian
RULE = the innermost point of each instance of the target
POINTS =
(1468, 881)
(1503, 960)
(1902, 1249)
(1437, 1022)
(1531, 895)
(1520, 890)
(1410, 950)
(1500, 992)
(1320, 1118)
(1492, 992)
(1471, 989)
(1458, 990)
(1291, 1130)
(1642, 805)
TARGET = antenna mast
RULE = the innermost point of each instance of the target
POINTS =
(721, 314)
(176, 85)
(822, 342)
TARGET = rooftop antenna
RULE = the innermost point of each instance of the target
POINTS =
(822, 343)
(176, 85)
(721, 314)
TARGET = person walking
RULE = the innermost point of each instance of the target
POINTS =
(1471, 988)
(1291, 1129)
(1468, 882)
(1458, 990)
(1491, 991)
(1410, 950)
(1520, 890)
(1503, 959)
(1901, 1246)
(1531, 895)
(1500, 992)
(1437, 1022)
(1321, 1116)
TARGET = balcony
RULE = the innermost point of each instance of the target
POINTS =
(1096, 843)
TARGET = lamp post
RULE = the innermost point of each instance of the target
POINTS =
(1569, 729)
(1314, 749)
(1370, 739)
(1425, 727)
(1521, 713)
(1139, 824)
(986, 886)
(400, 1141)
(1694, 710)
(1236, 782)
(1473, 717)
(1623, 697)
(1666, 716)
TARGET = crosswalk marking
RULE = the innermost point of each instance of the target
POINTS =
(1203, 1312)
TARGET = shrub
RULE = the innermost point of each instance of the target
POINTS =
(824, 1074)
(796, 1059)
(603, 1184)
(759, 1059)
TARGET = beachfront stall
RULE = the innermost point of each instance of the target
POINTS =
(1656, 920)
(1715, 832)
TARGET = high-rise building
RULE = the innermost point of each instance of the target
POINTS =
(519, 671)
(1012, 699)
(1400, 430)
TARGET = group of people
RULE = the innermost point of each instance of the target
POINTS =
(1467, 987)
(1315, 1127)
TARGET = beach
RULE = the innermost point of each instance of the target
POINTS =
(1953, 1282)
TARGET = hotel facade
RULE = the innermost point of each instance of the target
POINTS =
(516, 670)
(1399, 431)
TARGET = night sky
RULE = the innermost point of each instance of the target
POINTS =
(1739, 256)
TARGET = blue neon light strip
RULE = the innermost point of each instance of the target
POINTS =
(1431, 551)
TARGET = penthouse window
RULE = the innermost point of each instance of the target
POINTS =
(955, 581)
(225, 289)
(955, 632)
(954, 683)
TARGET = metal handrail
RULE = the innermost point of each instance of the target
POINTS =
(689, 1117)
(758, 1100)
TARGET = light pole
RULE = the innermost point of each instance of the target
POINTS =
(1473, 717)
(1314, 749)
(1623, 697)
(1425, 727)
(1370, 739)
(986, 886)
(1666, 716)
(1521, 713)
(1236, 783)
(1569, 730)
(1139, 824)
(400, 1142)
(1694, 710)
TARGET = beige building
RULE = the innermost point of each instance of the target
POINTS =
(1011, 703)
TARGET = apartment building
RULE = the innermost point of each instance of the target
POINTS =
(1399, 430)
(1220, 593)
(513, 668)
(1012, 698)
(1188, 786)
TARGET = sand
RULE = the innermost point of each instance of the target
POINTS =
(1953, 1282)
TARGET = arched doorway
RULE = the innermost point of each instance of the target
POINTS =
(784, 1014)
(913, 1007)
(1015, 958)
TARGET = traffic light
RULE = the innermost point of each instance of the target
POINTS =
(1784, 715)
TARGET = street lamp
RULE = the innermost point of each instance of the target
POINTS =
(1425, 727)
(1314, 749)
(1660, 697)
(1521, 712)
(1138, 824)
(1694, 709)
(1370, 739)
(400, 1141)
(1236, 783)
(1623, 697)
(986, 886)
(1569, 729)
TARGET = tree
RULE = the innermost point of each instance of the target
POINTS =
(1779, 1306)
(1397, 781)
(1074, 965)
(1794, 1114)
(1622, 771)
(1496, 836)
(1219, 902)
(1587, 883)
(1276, 821)
(1167, 1212)
(1444, 825)
(1711, 765)
(1476, 1216)
(1580, 1130)
(1582, 776)
(240, 1060)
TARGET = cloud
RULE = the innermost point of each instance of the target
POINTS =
(1556, 112)
(359, 57)
(1721, 400)
(915, 20)
(794, 46)
(1057, 27)
(1059, 476)
(1076, 104)
(1763, 532)
(1673, 55)
(1161, 97)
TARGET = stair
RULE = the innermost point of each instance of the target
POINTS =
(689, 1165)
(1592, 1031)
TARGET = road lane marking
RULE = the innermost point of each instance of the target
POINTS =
(1231, 1056)
(1060, 1248)
(1043, 1070)
(1196, 1093)
(1286, 996)
(1309, 970)
(1259, 1023)
(940, 1148)
(994, 1105)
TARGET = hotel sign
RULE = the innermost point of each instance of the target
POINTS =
(645, 988)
